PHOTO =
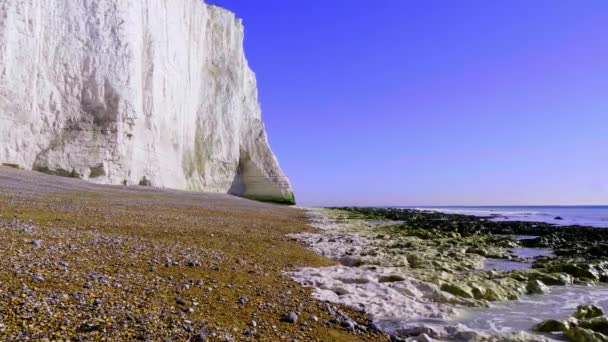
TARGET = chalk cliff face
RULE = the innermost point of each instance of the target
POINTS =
(149, 91)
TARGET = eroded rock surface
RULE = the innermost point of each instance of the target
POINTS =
(121, 92)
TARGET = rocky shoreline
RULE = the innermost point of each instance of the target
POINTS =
(429, 266)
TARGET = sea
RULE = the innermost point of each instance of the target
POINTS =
(584, 215)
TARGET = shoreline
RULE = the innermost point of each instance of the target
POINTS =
(373, 277)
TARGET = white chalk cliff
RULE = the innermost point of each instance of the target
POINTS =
(147, 91)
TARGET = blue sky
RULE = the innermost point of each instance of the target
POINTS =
(400, 102)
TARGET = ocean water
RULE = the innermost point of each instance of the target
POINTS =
(560, 303)
(594, 216)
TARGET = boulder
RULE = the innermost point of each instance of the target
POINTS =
(460, 290)
(579, 334)
(551, 325)
(597, 324)
(560, 279)
(536, 287)
(587, 311)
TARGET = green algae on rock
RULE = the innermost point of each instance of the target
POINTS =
(551, 325)
(588, 311)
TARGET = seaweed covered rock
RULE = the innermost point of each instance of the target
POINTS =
(588, 311)
(536, 287)
(560, 279)
(597, 324)
(460, 290)
(579, 268)
(571, 241)
(579, 334)
(551, 325)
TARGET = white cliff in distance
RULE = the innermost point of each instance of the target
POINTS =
(154, 92)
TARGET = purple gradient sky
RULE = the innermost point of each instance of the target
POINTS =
(434, 102)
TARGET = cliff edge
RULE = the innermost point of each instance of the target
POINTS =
(151, 92)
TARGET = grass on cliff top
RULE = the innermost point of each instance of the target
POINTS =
(121, 266)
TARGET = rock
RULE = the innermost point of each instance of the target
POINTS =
(341, 291)
(551, 325)
(584, 282)
(558, 218)
(290, 317)
(391, 278)
(597, 324)
(518, 276)
(348, 324)
(587, 311)
(496, 294)
(36, 243)
(351, 261)
(180, 301)
(253, 324)
(536, 287)
(579, 334)
(459, 290)
(422, 338)
(579, 270)
(244, 300)
(477, 291)
(200, 337)
(477, 250)
(88, 327)
(314, 318)
(155, 101)
(560, 279)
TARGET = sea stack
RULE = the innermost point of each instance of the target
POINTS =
(151, 92)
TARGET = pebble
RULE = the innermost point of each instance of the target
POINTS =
(290, 317)
(244, 300)
(348, 324)
(200, 337)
